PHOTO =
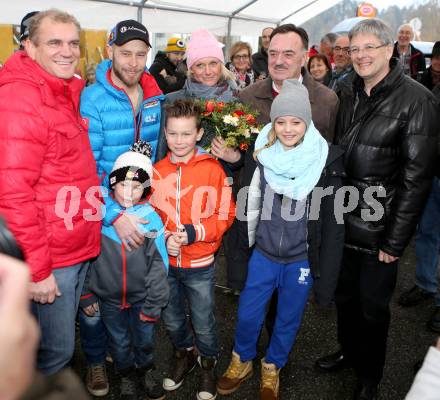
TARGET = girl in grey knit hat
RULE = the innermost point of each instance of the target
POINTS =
(291, 155)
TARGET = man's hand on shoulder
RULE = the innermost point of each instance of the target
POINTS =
(126, 229)
(44, 291)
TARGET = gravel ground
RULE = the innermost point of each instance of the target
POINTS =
(408, 342)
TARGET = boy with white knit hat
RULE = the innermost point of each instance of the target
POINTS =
(130, 288)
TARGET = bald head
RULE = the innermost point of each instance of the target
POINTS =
(340, 53)
(405, 34)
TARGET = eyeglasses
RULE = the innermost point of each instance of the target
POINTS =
(368, 49)
(345, 50)
(241, 57)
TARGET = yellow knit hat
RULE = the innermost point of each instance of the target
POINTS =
(175, 44)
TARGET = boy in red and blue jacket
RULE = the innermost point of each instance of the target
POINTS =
(192, 195)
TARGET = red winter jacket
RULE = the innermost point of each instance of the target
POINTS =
(44, 146)
(196, 195)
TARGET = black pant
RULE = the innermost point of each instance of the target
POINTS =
(363, 295)
(237, 254)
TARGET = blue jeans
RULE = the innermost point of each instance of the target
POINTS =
(57, 320)
(293, 282)
(93, 337)
(197, 287)
(428, 243)
(130, 339)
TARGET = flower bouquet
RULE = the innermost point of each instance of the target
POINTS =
(235, 122)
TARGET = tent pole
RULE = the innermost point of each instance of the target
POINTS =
(191, 10)
(139, 10)
(243, 7)
(298, 10)
(228, 37)
(233, 14)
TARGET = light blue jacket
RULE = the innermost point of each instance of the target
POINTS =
(113, 126)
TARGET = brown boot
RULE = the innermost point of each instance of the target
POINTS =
(236, 373)
(96, 380)
(270, 381)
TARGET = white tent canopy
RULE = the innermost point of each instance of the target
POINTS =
(225, 18)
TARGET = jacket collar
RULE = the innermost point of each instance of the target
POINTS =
(263, 52)
(310, 84)
(334, 152)
(414, 51)
(20, 67)
(199, 154)
(148, 83)
(161, 57)
(392, 80)
(263, 89)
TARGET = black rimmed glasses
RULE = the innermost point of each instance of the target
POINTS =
(339, 49)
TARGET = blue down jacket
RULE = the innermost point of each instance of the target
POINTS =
(113, 127)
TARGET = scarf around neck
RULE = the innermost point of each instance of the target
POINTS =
(295, 172)
(242, 80)
(223, 91)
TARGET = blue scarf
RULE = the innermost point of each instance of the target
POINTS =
(295, 172)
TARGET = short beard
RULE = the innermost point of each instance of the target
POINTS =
(120, 76)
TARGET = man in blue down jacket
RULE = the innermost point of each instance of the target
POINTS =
(123, 107)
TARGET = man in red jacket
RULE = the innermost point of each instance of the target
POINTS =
(48, 178)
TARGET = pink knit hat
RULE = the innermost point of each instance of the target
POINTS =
(203, 44)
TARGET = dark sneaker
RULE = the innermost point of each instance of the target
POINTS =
(96, 380)
(434, 322)
(332, 362)
(414, 296)
(152, 383)
(128, 390)
(184, 362)
(207, 388)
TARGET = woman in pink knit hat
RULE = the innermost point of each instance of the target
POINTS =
(208, 78)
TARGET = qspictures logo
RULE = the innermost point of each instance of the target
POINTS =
(208, 200)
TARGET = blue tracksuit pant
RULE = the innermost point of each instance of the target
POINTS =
(293, 282)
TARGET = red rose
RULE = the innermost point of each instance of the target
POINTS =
(238, 113)
(210, 106)
(243, 146)
(220, 106)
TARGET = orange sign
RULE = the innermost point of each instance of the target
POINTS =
(366, 10)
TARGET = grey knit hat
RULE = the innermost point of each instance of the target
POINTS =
(293, 100)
